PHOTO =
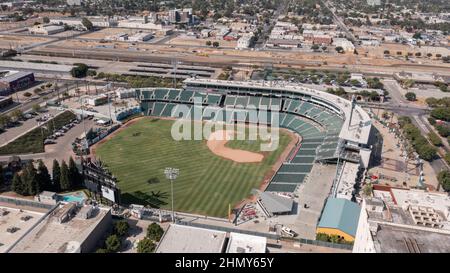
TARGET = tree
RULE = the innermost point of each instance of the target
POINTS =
(17, 186)
(44, 179)
(112, 243)
(431, 101)
(410, 96)
(4, 120)
(87, 23)
(417, 35)
(79, 71)
(36, 107)
(315, 47)
(441, 113)
(447, 158)
(444, 179)
(102, 250)
(146, 245)
(121, 228)
(208, 43)
(426, 151)
(215, 44)
(30, 179)
(1, 176)
(74, 174)
(368, 189)
(64, 181)
(46, 20)
(56, 176)
(339, 49)
(17, 114)
(435, 139)
(154, 232)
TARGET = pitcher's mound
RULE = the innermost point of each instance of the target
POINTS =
(216, 143)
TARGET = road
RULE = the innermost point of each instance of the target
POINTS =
(281, 9)
(402, 107)
(341, 24)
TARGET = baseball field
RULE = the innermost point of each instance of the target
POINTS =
(207, 183)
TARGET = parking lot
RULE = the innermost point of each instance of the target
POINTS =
(24, 126)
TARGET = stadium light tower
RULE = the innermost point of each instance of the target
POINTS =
(171, 174)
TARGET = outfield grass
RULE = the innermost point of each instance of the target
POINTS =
(207, 183)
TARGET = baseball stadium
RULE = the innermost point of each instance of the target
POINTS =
(314, 127)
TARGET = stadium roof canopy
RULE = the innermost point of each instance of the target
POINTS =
(276, 204)
(340, 214)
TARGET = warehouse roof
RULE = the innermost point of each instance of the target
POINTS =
(340, 214)
(186, 239)
(14, 75)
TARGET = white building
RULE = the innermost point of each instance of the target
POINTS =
(398, 220)
(205, 33)
(344, 43)
(45, 30)
(374, 2)
(243, 243)
(74, 2)
(141, 37)
(77, 21)
(244, 42)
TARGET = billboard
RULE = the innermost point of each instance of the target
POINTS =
(108, 193)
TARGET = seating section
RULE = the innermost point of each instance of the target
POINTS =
(318, 127)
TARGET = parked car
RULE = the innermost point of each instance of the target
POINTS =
(49, 141)
(289, 232)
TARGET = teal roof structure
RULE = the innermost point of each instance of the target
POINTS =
(340, 214)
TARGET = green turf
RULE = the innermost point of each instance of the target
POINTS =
(207, 183)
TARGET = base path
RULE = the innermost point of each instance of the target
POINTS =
(217, 141)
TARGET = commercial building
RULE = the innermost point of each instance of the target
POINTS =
(125, 93)
(283, 43)
(45, 30)
(405, 221)
(77, 21)
(374, 2)
(95, 100)
(244, 42)
(339, 217)
(63, 230)
(15, 222)
(344, 43)
(243, 243)
(186, 239)
(181, 16)
(12, 81)
(74, 2)
(140, 37)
